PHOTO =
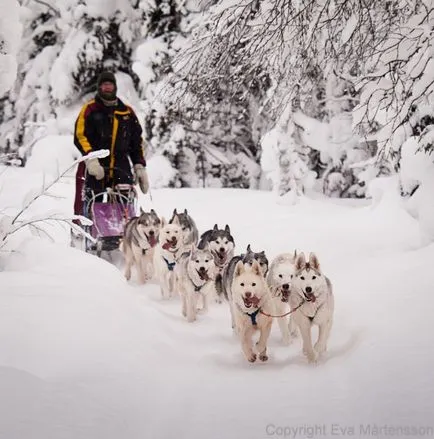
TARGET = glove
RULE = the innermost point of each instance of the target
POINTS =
(142, 178)
(95, 169)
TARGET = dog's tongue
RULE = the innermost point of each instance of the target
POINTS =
(172, 243)
(252, 301)
(153, 241)
(203, 275)
(310, 297)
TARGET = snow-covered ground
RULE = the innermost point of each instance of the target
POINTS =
(84, 354)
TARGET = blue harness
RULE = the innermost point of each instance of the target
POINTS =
(170, 265)
(253, 316)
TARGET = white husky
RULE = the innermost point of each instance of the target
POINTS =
(279, 280)
(250, 299)
(167, 252)
(313, 301)
(194, 273)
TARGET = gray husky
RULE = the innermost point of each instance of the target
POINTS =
(138, 243)
(222, 245)
(194, 273)
(224, 288)
(189, 228)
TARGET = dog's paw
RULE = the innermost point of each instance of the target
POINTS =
(312, 357)
(263, 357)
(320, 348)
(251, 358)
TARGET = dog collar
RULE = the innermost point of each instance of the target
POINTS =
(170, 265)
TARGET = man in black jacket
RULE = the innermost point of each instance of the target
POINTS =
(105, 122)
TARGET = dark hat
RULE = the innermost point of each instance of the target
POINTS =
(106, 77)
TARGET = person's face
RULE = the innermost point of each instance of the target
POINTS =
(107, 87)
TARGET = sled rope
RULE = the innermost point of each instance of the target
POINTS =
(283, 315)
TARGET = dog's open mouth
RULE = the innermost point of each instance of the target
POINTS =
(170, 244)
(221, 256)
(251, 301)
(310, 297)
(203, 275)
(284, 295)
(152, 239)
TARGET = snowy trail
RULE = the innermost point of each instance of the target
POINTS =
(104, 358)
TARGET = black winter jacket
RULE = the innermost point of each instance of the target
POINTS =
(115, 128)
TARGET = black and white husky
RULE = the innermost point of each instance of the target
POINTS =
(189, 228)
(138, 244)
(221, 243)
(194, 275)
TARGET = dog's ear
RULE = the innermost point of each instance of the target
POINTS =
(295, 254)
(313, 261)
(227, 229)
(141, 210)
(215, 227)
(176, 220)
(185, 212)
(163, 221)
(300, 261)
(193, 250)
(248, 248)
(239, 268)
(256, 268)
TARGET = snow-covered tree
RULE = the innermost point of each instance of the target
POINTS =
(10, 35)
(307, 46)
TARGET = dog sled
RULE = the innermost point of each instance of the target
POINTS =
(109, 211)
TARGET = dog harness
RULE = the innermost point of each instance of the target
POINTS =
(170, 265)
(253, 316)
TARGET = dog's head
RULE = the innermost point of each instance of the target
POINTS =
(251, 256)
(170, 235)
(201, 264)
(308, 281)
(248, 285)
(186, 223)
(280, 276)
(148, 225)
(221, 244)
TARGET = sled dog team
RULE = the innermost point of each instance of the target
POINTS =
(292, 289)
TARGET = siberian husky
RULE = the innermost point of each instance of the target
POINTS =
(167, 252)
(189, 228)
(224, 288)
(194, 273)
(279, 280)
(138, 244)
(312, 300)
(252, 305)
(222, 245)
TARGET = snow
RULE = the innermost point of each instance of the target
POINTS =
(10, 37)
(84, 354)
